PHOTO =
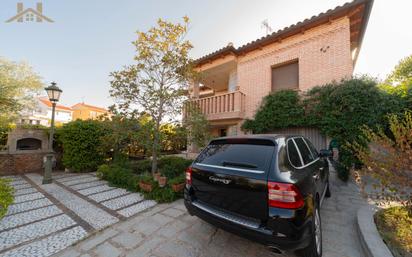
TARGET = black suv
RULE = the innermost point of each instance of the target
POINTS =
(268, 188)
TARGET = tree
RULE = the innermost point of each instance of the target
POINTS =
(157, 81)
(18, 86)
(198, 126)
(387, 159)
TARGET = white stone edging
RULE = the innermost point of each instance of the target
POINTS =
(371, 242)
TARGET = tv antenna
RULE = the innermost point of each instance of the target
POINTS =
(265, 25)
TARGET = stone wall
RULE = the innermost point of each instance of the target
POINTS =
(19, 163)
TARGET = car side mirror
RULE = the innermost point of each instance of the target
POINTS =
(325, 153)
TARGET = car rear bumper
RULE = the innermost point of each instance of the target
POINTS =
(263, 235)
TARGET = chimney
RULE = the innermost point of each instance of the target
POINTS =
(39, 9)
(19, 10)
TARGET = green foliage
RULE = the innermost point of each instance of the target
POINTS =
(147, 178)
(82, 142)
(6, 196)
(198, 126)
(119, 175)
(19, 84)
(142, 166)
(163, 194)
(173, 166)
(395, 226)
(177, 180)
(278, 110)
(387, 159)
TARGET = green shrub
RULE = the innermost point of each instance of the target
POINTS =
(177, 180)
(281, 109)
(119, 176)
(162, 194)
(6, 196)
(147, 178)
(342, 170)
(173, 166)
(142, 166)
(81, 142)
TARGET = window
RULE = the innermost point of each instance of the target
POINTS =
(293, 154)
(237, 155)
(304, 150)
(312, 148)
(285, 76)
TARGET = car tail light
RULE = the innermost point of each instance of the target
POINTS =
(284, 195)
(189, 175)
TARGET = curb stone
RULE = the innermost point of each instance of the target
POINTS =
(370, 240)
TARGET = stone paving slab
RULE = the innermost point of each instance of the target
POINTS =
(93, 215)
(89, 184)
(22, 234)
(28, 217)
(21, 207)
(108, 194)
(123, 201)
(95, 189)
(49, 245)
(29, 197)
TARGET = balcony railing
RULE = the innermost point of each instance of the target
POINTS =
(221, 107)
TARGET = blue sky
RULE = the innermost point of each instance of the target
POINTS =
(89, 39)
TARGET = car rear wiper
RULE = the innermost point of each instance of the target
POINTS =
(239, 164)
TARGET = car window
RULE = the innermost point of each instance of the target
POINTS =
(243, 156)
(312, 148)
(293, 154)
(304, 150)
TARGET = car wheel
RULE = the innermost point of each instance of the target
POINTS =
(328, 193)
(314, 249)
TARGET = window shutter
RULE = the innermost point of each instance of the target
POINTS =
(285, 77)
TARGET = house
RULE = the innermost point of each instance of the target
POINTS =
(41, 113)
(233, 81)
(29, 14)
(82, 111)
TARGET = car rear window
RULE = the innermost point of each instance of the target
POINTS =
(293, 154)
(304, 150)
(237, 155)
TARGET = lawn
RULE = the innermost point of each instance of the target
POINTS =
(395, 226)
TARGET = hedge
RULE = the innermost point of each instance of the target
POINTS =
(6, 196)
(338, 110)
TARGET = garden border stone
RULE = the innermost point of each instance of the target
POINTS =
(371, 242)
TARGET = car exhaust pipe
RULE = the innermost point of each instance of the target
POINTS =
(275, 250)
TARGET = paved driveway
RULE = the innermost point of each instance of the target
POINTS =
(46, 219)
(167, 230)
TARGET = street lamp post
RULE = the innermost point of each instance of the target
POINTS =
(54, 95)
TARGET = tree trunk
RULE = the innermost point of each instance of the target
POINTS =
(155, 147)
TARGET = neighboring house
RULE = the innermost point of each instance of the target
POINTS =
(41, 113)
(313, 52)
(82, 111)
(29, 14)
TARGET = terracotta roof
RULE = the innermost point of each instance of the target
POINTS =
(358, 10)
(58, 106)
(91, 107)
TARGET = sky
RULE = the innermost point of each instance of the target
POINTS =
(89, 39)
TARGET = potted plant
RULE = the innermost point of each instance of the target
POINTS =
(146, 183)
(162, 181)
(178, 183)
(156, 175)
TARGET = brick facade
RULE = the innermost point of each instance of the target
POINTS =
(315, 66)
(21, 163)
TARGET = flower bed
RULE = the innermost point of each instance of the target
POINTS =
(395, 226)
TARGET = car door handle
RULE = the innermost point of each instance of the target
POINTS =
(315, 176)
(321, 169)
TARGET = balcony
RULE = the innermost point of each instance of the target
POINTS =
(222, 107)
